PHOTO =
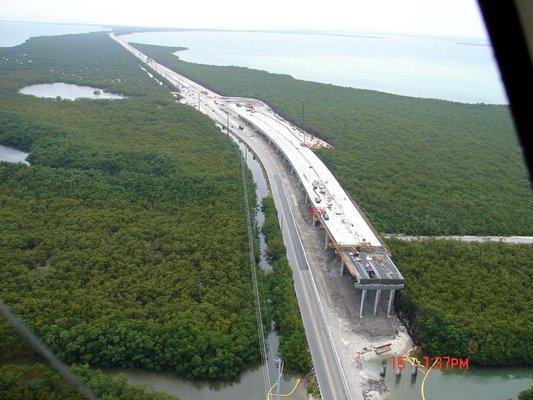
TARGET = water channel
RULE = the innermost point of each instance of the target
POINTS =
(68, 91)
(249, 386)
(472, 384)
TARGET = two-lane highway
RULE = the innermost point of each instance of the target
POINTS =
(330, 375)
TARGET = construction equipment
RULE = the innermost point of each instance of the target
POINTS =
(383, 348)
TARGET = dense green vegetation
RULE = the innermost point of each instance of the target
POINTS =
(40, 382)
(124, 242)
(25, 376)
(468, 299)
(312, 387)
(284, 307)
(526, 394)
(417, 166)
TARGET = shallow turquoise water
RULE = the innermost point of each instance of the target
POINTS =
(454, 69)
(15, 33)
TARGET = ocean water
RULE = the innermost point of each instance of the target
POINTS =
(15, 33)
(456, 69)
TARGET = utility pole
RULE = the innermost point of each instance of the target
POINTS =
(303, 119)
(227, 124)
(199, 101)
(279, 372)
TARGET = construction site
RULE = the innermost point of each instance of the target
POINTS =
(360, 251)
(357, 340)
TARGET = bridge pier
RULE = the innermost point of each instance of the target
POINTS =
(363, 295)
(391, 298)
(376, 300)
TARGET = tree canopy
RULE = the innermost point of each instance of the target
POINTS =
(124, 242)
(284, 306)
(468, 299)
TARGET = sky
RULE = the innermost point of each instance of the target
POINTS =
(427, 17)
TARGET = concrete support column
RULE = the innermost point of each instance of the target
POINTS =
(326, 242)
(342, 268)
(391, 299)
(376, 301)
(363, 295)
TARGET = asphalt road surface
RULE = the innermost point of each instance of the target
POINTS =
(329, 375)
